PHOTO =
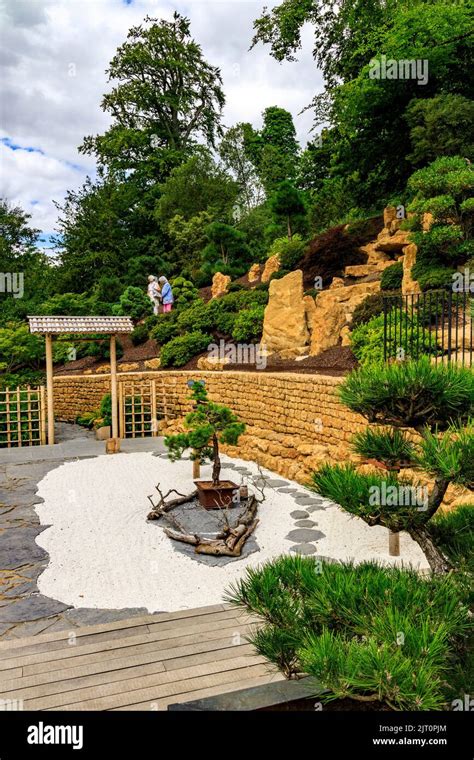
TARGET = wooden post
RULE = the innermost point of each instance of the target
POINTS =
(42, 415)
(393, 543)
(113, 385)
(49, 387)
(196, 467)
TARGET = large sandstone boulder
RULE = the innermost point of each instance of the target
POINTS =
(212, 362)
(220, 284)
(409, 285)
(333, 312)
(284, 325)
(272, 265)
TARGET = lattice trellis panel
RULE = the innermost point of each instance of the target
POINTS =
(22, 416)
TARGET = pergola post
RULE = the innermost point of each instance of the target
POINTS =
(113, 385)
(49, 386)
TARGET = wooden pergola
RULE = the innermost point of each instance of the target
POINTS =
(53, 326)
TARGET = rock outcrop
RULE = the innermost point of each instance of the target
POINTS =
(409, 285)
(272, 265)
(220, 284)
(254, 273)
(284, 326)
(333, 313)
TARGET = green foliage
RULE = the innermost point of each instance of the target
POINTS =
(178, 351)
(371, 306)
(440, 126)
(227, 250)
(449, 455)
(392, 277)
(248, 324)
(19, 349)
(454, 532)
(435, 278)
(139, 335)
(198, 316)
(290, 252)
(414, 394)
(133, 303)
(88, 419)
(390, 446)
(165, 328)
(209, 424)
(106, 409)
(184, 292)
(341, 624)
(289, 206)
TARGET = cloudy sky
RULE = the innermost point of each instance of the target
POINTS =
(53, 56)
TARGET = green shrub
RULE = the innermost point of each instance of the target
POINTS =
(371, 306)
(196, 317)
(139, 335)
(133, 303)
(166, 328)
(392, 277)
(184, 292)
(367, 340)
(88, 418)
(341, 624)
(279, 274)
(434, 279)
(105, 410)
(290, 252)
(180, 350)
(248, 324)
(454, 532)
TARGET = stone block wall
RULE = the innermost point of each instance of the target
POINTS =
(294, 422)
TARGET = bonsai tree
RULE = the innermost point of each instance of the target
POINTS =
(209, 424)
(437, 402)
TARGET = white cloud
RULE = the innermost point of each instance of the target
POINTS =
(53, 60)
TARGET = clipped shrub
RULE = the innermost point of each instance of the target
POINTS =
(367, 340)
(392, 277)
(133, 303)
(436, 278)
(139, 335)
(166, 328)
(248, 324)
(195, 317)
(105, 409)
(180, 350)
(184, 292)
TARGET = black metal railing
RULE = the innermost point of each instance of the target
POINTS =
(437, 323)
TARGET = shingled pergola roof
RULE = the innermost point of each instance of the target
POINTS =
(102, 325)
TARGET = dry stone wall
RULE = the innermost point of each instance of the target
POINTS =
(294, 422)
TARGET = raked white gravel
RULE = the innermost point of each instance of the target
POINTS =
(105, 554)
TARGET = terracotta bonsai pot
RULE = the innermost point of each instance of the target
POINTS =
(217, 497)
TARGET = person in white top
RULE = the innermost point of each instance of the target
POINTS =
(154, 293)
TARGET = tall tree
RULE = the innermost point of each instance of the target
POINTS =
(233, 150)
(167, 98)
(274, 149)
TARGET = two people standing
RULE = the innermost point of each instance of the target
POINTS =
(160, 292)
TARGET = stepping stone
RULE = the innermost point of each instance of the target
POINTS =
(273, 483)
(31, 608)
(287, 490)
(20, 589)
(305, 523)
(16, 557)
(315, 508)
(307, 500)
(304, 535)
(303, 549)
(298, 514)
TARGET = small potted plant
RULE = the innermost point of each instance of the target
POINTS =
(209, 424)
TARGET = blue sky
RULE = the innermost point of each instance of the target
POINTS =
(53, 60)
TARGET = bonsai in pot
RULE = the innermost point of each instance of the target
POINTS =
(208, 424)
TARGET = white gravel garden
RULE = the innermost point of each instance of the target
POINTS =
(104, 553)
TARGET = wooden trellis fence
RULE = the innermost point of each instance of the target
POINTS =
(22, 416)
(142, 404)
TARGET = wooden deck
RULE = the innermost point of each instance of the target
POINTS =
(144, 663)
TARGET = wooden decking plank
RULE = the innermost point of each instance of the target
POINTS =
(106, 665)
(104, 646)
(122, 674)
(152, 693)
(118, 689)
(162, 704)
(156, 617)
